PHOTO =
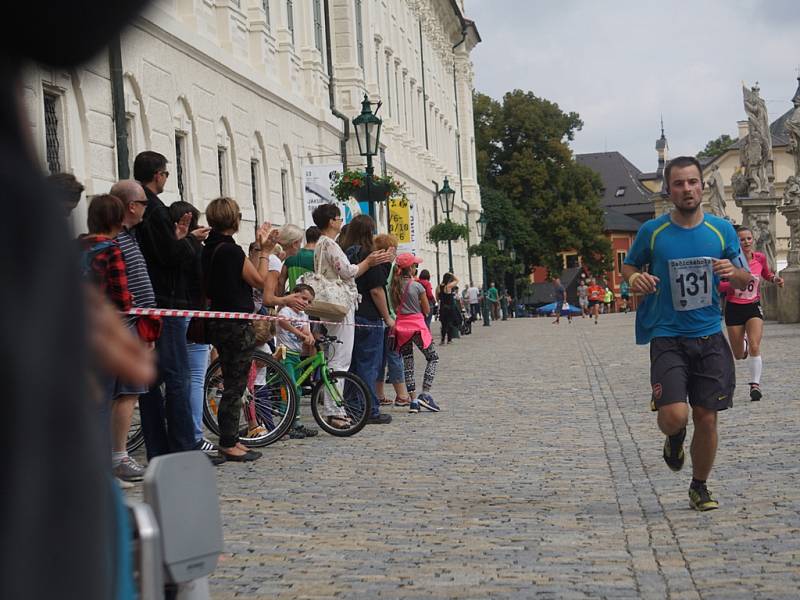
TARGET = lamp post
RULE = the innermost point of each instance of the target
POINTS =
(446, 196)
(513, 254)
(481, 223)
(368, 136)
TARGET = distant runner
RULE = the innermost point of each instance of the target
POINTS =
(596, 296)
(687, 252)
(743, 314)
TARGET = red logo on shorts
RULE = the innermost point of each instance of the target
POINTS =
(656, 391)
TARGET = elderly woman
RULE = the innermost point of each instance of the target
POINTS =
(331, 262)
(229, 279)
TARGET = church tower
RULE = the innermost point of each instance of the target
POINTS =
(662, 148)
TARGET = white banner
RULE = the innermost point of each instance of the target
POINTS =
(317, 180)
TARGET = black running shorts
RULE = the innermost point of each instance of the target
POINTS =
(739, 314)
(700, 369)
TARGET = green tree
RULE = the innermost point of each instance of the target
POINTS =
(717, 146)
(532, 190)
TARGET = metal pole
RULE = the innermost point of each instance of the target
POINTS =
(449, 248)
(370, 201)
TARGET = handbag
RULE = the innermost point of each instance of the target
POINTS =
(333, 299)
(264, 329)
(197, 332)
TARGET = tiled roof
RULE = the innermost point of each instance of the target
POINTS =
(623, 191)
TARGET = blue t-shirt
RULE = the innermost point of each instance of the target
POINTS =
(686, 301)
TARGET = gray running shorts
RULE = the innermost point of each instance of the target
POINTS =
(700, 369)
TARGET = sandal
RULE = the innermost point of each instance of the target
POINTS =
(340, 422)
(402, 401)
(384, 402)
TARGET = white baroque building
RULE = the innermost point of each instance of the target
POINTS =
(240, 95)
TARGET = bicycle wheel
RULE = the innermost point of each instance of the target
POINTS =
(351, 394)
(135, 435)
(268, 403)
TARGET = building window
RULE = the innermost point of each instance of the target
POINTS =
(318, 25)
(388, 87)
(52, 131)
(397, 92)
(254, 190)
(290, 18)
(223, 175)
(265, 7)
(571, 261)
(378, 68)
(359, 35)
(621, 256)
(285, 193)
(180, 165)
(620, 191)
(405, 101)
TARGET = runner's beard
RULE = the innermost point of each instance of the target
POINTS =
(688, 211)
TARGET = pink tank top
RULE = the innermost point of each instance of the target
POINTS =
(759, 270)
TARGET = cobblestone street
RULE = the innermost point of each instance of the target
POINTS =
(541, 478)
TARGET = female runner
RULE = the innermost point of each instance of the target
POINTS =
(743, 316)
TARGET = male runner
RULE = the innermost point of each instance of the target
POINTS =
(688, 252)
(596, 294)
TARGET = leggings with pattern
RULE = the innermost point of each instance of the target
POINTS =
(407, 352)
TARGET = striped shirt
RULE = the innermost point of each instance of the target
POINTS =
(135, 266)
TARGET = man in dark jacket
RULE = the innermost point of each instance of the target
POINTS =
(166, 418)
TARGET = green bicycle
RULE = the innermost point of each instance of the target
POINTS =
(340, 401)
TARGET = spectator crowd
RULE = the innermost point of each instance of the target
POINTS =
(141, 253)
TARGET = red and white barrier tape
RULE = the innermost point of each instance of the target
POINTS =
(212, 314)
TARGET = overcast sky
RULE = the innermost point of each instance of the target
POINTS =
(621, 64)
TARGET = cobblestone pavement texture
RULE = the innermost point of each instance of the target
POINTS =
(542, 477)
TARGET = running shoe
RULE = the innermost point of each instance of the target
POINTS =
(700, 499)
(207, 447)
(413, 407)
(129, 470)
(755, 392)
(746, 347)
(673, 450)
(426, 401)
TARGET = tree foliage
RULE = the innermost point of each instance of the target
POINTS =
(532, 190)
(717, 146)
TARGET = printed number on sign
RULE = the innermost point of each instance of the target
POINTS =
(691, 282)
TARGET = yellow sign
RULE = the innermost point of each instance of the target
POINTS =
(400, 220)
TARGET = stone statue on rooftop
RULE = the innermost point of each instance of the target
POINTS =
(793, 129)
(757, 149)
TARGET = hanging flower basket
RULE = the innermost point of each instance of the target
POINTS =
(353, 184)
(447, 231)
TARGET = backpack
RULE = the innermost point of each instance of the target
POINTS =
(88, 256)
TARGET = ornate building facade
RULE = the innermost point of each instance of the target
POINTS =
(241, 95)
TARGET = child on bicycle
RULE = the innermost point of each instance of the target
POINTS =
(411, 305)
(294, 334)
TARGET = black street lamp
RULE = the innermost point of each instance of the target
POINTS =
(501, 242)
(446, 197)
(481, 223)
(368, 136)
